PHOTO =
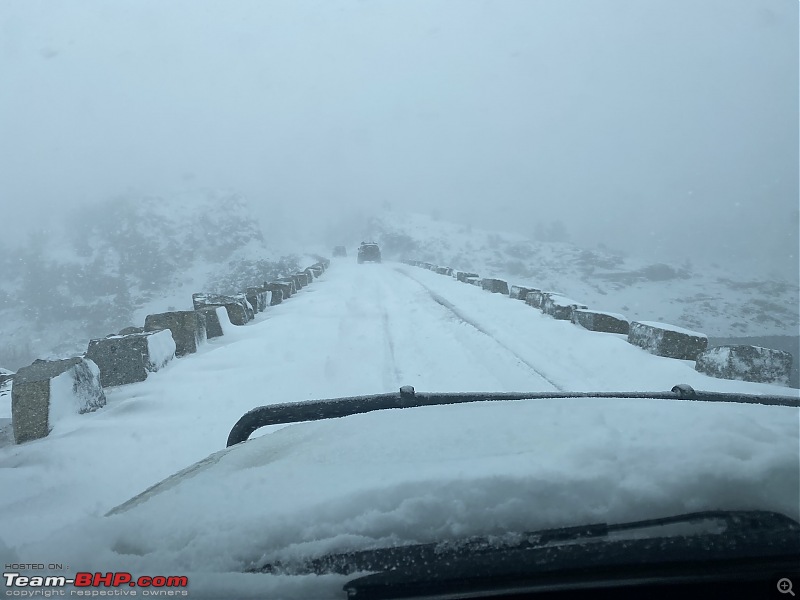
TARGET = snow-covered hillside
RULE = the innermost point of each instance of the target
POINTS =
(107, 266)
(704, 297)
(110, 265)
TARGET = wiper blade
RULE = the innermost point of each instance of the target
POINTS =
(737, 561)
(407, 397)
(550, 547)
(382, 559)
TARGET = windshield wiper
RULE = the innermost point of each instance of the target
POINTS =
(699, 536)
(731, 555)
(407, 397)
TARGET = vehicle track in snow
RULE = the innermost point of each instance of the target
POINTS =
(467, 321)
(402, 336)
(371, 329)
(392, 377)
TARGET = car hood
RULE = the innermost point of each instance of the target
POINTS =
(446, 472)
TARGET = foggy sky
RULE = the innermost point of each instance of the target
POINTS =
(667, 128)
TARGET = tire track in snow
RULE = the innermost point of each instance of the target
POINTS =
(466, 320)
(435, 353)
(390, 362)
(356, 325)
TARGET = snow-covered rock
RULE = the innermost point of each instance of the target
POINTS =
(667, 340)
(124, 359)
(187, 328)
(496, 286)
(746, 363)
(258, 297)
(292, 286)
(249, 308)
(300, 280)
(464, 275)
(537, 297)
(519, 293)
(323, 262)
(560, 307)
(46, 392)
(287, 287)
(275, 291)
(211, 320)
(160, 349)
(237, 309)
(595, 320)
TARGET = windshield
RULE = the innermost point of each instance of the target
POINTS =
(209, 207)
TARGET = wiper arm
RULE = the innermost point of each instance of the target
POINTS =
(734, 526)
(383, 559)
(407, 397)
(741, 560)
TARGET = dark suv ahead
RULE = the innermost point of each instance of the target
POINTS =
(369, 252)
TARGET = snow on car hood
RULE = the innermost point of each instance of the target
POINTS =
(438, 473)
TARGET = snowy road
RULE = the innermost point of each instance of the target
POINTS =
(363, 329)
(392, 330)
(360, 329)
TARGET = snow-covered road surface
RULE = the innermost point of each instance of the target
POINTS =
(392, 476)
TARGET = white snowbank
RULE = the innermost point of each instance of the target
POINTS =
(75, 391)
(63, 402)
(225, 321)
(160, 348)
